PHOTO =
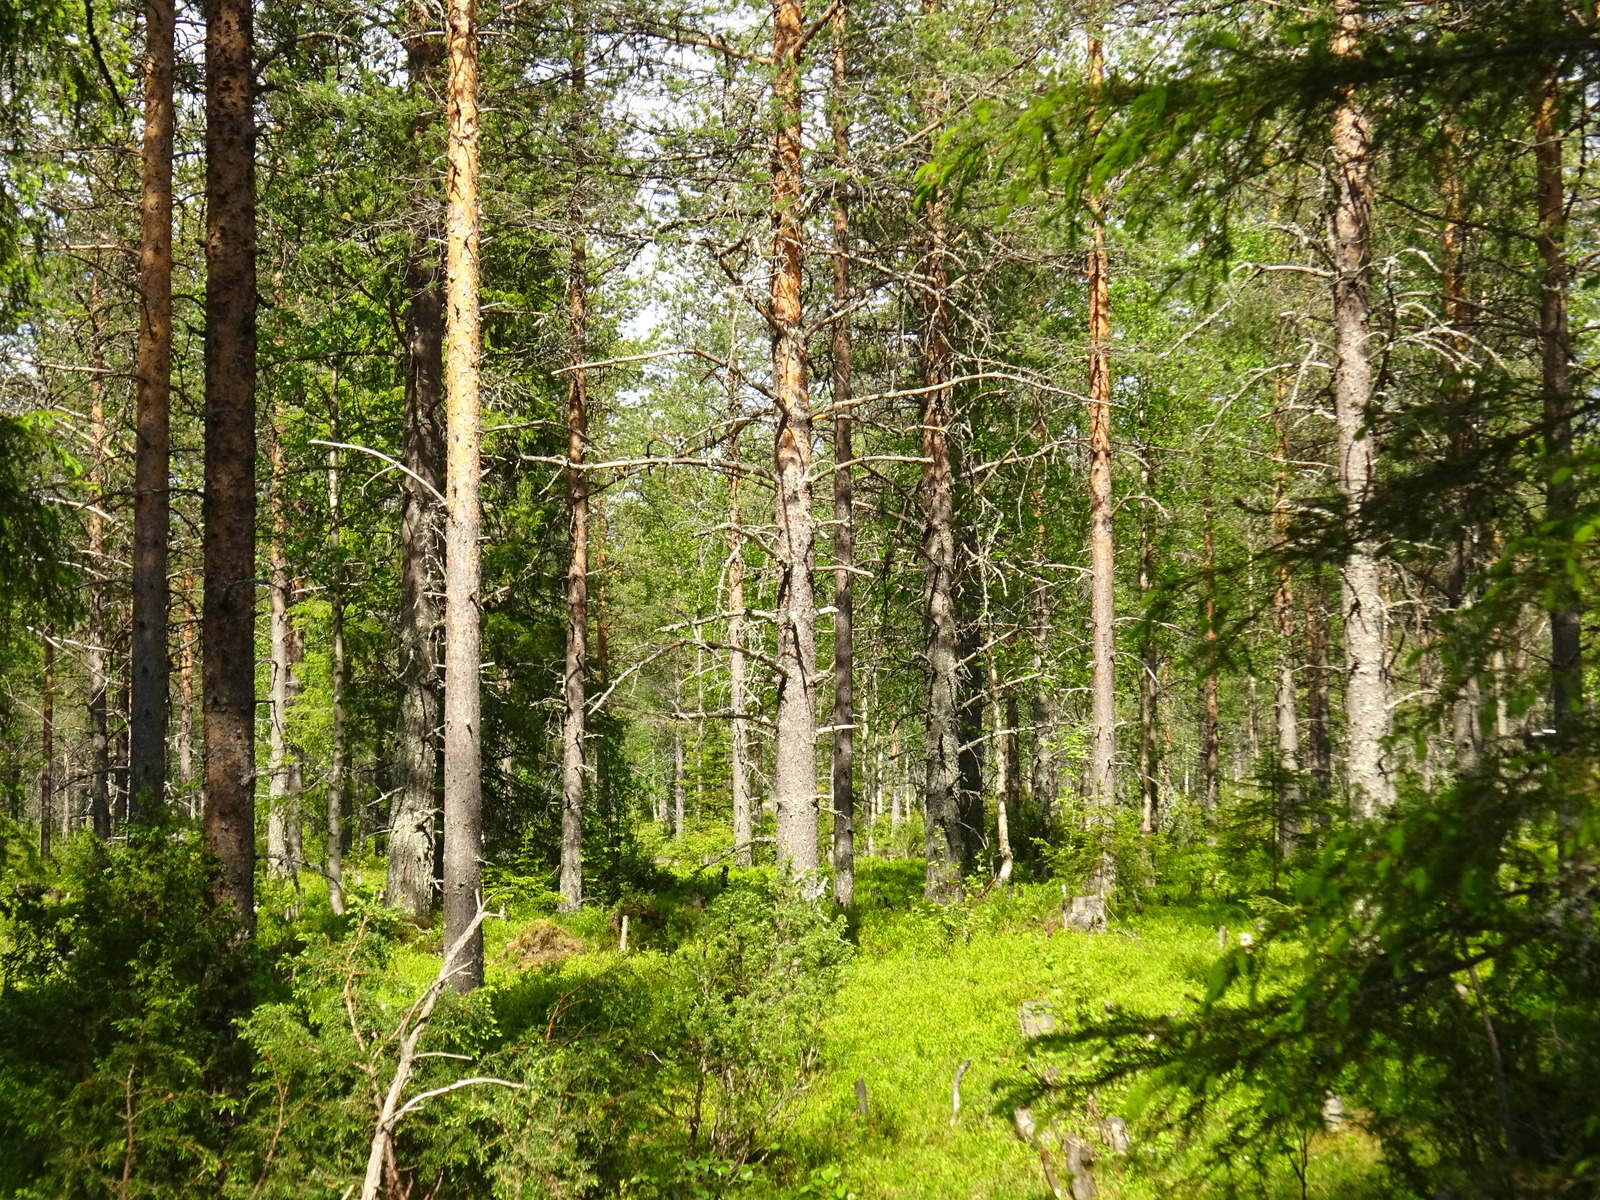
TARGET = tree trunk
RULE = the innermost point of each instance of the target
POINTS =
(336, 674)
(844, 801)
(739, 730)
(229, 508)
(795, 766)
(1555, 353)
(190, 636)
(47, 747)
(95, 657)
(1465, 708)
(572, 725)
(147, 746)
(675, 818)
(1350, 245)
(409, 879)
(1288, 730)
(1042, 712)
(1319, 725)
(1102, 558)
(282, 799)
(1013, 752)
(463, 821)
(1210, 747)
(946, 846)
(1149, 669)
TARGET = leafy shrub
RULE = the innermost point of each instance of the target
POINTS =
(118, 1067)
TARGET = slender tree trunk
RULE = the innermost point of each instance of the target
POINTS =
(281, 796)
(946, 839)
(795, 766)
(1149, 669)
(1319, 721)
(1465, 708)
(48, 747)
(600, 667)
(1555, 355)
(679, 774)
(1102, 558)
(1350, 245)
(95, 657)
(1013, 751)
(572, 726)
(229, 506)
(844, 801)
(463, 822)
(409, 880)
(739, 729)
(1288, 729)
(336, 673)
(186, 687)
(147, 767)
(1210, 742)
(1042, 711)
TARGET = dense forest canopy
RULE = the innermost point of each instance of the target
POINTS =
(594, 595)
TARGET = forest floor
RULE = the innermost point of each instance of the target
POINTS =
(930, 987)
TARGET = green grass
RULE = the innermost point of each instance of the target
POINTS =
(929, 987)
(933, 987)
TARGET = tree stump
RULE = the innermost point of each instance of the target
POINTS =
(1087, 913)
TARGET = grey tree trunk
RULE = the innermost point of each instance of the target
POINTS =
(95, 656)
(47, 747)
(577, 665)
(463, 819)
(1285, 717)
(946, 841)
(1319, 720)
(739, 729)
(1041, 709)
(1149, 668)
(1210, 742)
(1367, 686)
(844, 801)
(679, 775)
(283, 796)
(336, 752)
(794, 779)
(409, 880)
(149, 667)
(1561, 488)
(1102, 556)
(228, 509)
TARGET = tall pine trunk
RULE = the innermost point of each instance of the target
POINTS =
(946, 840)
(149, 669)
(1555, 352)
(1149, 670)
(283, 799)
(1285, 717)
(1350, 246)
(1210, 739)
(844, 801)
(794, 769)
(1465, 708)
(739, 729)
(1102, 556)
(95, 655)
(572, 725)
(229, 505)
(409, 881)
(336, 674)
(47, 747)
(1319, 715)
(463, 819)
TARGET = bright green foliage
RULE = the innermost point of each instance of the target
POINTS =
(116, 1059)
